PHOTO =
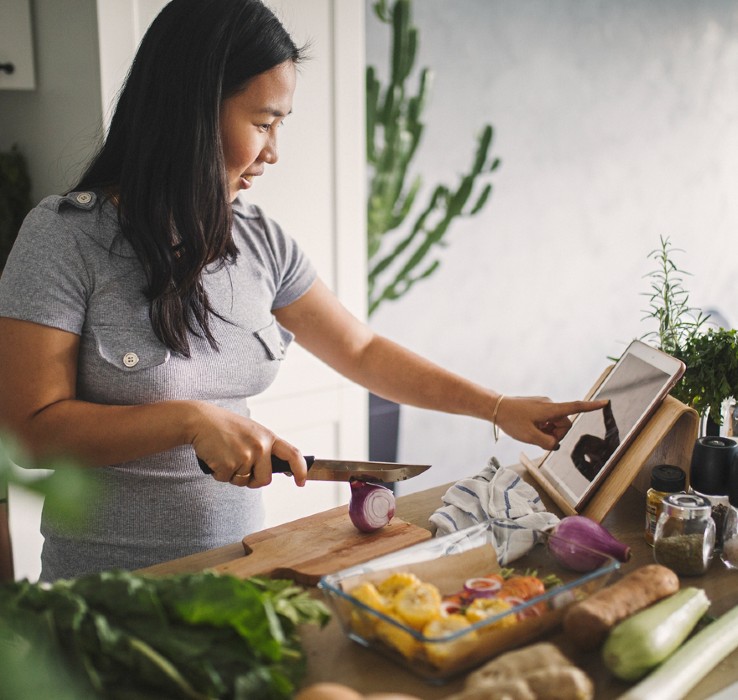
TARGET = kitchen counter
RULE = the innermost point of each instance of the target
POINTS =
(333, 657)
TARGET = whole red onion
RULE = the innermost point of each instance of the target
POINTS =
(579, 543)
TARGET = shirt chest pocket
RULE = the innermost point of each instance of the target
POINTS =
(274, 339)
(130, 350)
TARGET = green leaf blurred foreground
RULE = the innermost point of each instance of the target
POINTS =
(124, 636)
(120, 635)
(60, 488)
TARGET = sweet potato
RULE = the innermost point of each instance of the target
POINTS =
(588, 622)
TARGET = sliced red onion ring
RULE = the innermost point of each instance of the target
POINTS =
(372, 506)
(482, 587)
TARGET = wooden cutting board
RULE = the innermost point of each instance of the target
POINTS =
(306, 549)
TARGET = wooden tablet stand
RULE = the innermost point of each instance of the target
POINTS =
(667, 438)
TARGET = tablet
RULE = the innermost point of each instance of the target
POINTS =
(636, 386)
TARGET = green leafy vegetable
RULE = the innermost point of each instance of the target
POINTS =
(122, 635)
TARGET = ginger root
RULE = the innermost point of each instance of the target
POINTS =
(532, 673)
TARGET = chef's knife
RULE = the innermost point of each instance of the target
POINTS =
(341, 470)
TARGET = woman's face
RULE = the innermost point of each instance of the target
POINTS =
(249, 121)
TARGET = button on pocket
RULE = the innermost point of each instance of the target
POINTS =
(130, 359)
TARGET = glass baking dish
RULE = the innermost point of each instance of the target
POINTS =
(437, 652)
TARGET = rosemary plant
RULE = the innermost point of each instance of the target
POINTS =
(710, 354)
(669, 302)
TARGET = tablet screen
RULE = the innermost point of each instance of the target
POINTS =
(593, 438)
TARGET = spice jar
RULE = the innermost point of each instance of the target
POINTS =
(665, 479)
(684, 539)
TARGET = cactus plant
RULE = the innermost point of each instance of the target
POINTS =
(401, 238)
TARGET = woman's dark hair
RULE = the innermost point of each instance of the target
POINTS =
(162, 157)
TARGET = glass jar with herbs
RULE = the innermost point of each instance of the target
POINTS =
(665, 479)
(684, 539)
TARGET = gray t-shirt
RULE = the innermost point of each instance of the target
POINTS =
(71, 269)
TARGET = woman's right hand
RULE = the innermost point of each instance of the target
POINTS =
(239, 450)
(539, 421)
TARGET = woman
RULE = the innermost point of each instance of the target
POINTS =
(141, 310)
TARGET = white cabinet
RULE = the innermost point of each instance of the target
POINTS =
(16, 46)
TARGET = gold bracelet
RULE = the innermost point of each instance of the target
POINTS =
(495, 429)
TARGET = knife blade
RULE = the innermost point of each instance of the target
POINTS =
(342, 470)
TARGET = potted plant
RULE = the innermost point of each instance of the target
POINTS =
(710, 353)
(711, 378)
(402, 233)
(15, 198)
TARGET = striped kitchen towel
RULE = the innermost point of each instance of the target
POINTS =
(503, 496)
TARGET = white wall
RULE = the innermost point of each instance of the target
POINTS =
(616, 123)
(57, 124)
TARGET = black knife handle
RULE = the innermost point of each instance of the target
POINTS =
(279, 466)
(282, 466)
(204, 466)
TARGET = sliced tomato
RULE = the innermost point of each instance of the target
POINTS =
(525, 587)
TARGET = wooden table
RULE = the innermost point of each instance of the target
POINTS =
(333, 657)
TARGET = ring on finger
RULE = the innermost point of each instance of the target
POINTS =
(241, 476)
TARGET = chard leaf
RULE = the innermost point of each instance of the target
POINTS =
(193, 636)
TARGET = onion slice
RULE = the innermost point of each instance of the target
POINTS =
(482, 587)
(581, 544)
(451, 607)
(372, 506)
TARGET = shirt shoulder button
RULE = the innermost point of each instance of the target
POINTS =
(84, 197)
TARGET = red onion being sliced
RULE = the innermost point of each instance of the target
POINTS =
(578, 543)
(372, 506)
